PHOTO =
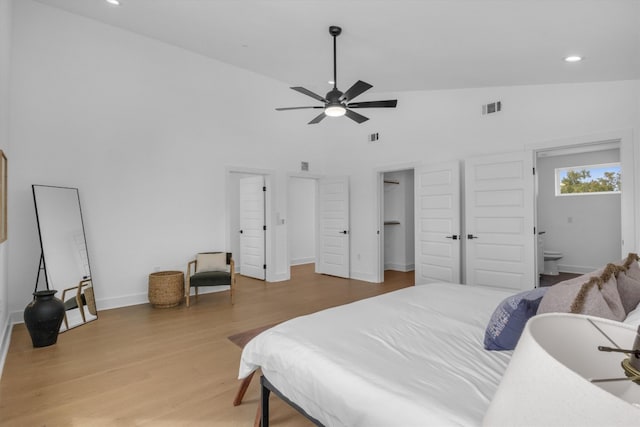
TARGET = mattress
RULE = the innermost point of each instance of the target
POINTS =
(412, 357)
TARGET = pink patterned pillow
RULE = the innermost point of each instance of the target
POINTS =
(629, 283)
(595, 294)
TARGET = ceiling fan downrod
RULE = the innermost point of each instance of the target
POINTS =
(335, 32)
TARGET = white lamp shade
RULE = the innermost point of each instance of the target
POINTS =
(547, 380)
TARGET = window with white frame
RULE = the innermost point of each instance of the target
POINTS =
(589, 179)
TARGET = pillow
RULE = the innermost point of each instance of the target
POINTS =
(595, 294)
(211, 262)
(629, 283)
(508, 319)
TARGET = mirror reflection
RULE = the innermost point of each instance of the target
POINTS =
(64, 252)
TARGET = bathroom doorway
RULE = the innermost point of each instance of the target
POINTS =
(577, 232)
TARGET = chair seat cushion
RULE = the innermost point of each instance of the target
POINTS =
(210, 278)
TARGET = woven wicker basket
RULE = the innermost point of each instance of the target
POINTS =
(166, 288)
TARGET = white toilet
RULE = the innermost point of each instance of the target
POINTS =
(551, 262)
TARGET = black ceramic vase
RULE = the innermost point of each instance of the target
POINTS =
(43, 317)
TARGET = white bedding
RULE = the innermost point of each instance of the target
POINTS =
(412, 357)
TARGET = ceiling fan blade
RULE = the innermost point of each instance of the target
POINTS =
(391, 103)
(309, 93)
(355, 116)
(355, 90)
(294, 108)
(317, 119)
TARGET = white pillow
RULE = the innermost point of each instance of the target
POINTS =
(633, 318)
(211, 262)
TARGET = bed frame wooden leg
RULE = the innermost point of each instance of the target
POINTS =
(256, 422)
(243, 389)
(264, 404)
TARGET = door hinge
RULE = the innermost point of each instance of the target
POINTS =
(264, 227)
(264, 188)
(534, 170)
(264, 266)
(534, 230)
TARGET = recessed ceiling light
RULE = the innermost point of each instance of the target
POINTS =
(113, 2)
(573, 58)
(331, 82)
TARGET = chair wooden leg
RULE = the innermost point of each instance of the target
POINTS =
(243, 389)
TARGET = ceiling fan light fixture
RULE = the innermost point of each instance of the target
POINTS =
(335, 110)
(337, 103)
(573, 58)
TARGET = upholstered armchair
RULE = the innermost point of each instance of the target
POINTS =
(210, 269)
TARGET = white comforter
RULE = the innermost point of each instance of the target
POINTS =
(412, 357)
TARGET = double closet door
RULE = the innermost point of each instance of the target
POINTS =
(490, 239)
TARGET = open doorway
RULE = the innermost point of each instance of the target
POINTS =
(397, 221)
(254, 256)
(628, 158)
(301, 207)
(579, 228)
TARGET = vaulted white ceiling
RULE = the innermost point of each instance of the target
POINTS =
(395, 45)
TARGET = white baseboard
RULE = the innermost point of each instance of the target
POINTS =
(399, 267)
(300, 261)
(576, 269)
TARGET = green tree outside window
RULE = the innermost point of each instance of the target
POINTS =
(575, 181)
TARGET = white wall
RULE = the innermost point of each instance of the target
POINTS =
(302, 220)
(146, 131)
(5, 66)
(431, 127)
(586, 228)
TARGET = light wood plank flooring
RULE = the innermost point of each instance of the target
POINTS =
(164, 367)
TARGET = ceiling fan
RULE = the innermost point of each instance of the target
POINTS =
(337, 103)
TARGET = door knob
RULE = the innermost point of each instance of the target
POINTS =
(471, 236)
(344, 232)
(453, 236)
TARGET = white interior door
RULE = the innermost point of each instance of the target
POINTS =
(437, 223)
(252, 227)
(333, 227)
(500, 240)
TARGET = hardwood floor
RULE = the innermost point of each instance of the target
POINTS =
(164, 367)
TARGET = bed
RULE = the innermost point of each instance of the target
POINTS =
(410, 357)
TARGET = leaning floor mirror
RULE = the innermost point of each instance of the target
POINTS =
(64, 259)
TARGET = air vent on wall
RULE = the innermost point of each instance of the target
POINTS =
(492, 107)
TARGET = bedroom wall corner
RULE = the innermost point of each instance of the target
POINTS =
(138, 126)
(6, 20)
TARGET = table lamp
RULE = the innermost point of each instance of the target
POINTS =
(558, 375)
